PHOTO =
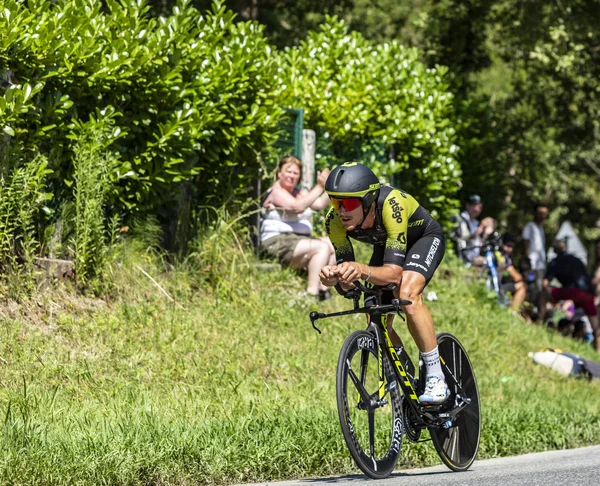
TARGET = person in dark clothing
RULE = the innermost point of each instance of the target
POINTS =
(576, 284)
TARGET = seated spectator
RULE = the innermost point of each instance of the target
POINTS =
(285, 231)
(511, 280)
(469, 233)
(576, 284)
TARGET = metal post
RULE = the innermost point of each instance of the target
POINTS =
(308, 158)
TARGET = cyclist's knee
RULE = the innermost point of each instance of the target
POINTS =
(416, 297)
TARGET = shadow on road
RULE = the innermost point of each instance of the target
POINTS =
(362, 478)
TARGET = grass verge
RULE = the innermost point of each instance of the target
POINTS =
(232, 385)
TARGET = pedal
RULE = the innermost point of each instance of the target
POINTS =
(426, 407)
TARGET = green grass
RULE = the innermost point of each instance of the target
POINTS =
(233, 385)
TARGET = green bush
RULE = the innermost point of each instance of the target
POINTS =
(92, 166)
(377, 104)
(23, 198)
(191, 91)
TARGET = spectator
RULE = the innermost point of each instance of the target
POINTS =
(286, 228)
(576, 285)
(534, 239)
(469, 232)
(574, 323)
(512, 280)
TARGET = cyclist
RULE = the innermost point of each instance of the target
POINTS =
(408, 247)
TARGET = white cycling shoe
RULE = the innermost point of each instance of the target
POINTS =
(436, 391)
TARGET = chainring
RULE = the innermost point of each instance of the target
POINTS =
(412, 431)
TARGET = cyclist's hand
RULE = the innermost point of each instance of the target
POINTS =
(348, 272)
(328, 275)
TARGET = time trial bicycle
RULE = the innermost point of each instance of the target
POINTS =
(377, 392)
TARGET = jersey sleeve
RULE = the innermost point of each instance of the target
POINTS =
(338, 237)
(397, 209)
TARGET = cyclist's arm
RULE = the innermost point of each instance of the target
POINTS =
(396, 211)
(384, 275)
(338, 237)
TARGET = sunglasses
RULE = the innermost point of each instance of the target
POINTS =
(349, 204)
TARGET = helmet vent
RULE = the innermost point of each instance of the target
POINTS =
(340, 174)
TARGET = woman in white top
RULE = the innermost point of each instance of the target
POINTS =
(286, 229)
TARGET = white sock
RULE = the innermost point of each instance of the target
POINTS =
(432, 363)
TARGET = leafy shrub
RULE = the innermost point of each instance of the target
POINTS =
(377, 104)
(191, 92)
(92, 165)
(23, 196)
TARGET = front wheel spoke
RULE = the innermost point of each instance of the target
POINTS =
(359, 386)
(371, 414)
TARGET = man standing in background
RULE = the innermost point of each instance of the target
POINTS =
(469, 233)
(534, 239)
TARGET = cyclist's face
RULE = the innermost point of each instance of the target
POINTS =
(350, 218)
(289, 176)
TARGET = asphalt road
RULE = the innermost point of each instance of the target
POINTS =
(555, 468)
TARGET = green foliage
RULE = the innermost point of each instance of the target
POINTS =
(23, 197)
(378, 104)
(215, 390)
(93, 165)
(191, 92)
(219, 250)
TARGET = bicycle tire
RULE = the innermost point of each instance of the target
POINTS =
(383, 435)
(457, 445)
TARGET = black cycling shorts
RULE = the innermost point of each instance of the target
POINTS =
(423, 257)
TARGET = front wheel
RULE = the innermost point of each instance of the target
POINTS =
(457, 445)
(369, 405)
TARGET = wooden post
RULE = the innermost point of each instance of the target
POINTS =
(308, 158)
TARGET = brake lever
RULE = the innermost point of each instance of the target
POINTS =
(313, 317)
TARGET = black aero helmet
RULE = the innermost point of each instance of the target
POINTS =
(353, 180)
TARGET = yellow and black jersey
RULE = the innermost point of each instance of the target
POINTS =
(399, 222)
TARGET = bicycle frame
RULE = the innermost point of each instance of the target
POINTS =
(488, 248)
(491, 265)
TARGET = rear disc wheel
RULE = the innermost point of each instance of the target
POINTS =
(458, 444)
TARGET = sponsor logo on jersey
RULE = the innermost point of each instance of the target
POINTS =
(432, 251)
(330, 216)
(416, 256)
(402, 238)
(418, 222)
(418, 265)
(396, 210)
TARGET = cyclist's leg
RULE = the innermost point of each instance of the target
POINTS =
(377, 261)
(420, 322)
(422, 260)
